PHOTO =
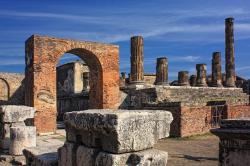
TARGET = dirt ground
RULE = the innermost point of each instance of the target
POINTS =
(193, 151)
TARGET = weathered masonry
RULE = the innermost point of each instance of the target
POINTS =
(195, 109)
(42, 54)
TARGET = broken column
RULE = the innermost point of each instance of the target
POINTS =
(183, 78)
(162, 71)
(201, 75)
(216, 70)
(234, 146)
(21, 137)
(13, 116)
(136, 60)
(114, 137)
(192, 80)
(230, 62)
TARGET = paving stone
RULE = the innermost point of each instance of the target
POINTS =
(16, 113)
(117, 131)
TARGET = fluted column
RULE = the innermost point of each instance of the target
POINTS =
(216, 70)
(136, 59)
(230, 59)
(192, 80)
(183, 78)
(162, 71)
(201, 75)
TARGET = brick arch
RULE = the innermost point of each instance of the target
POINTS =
(42, 54)
(6, 88)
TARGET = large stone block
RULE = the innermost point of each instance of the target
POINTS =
(117, 131)
(73, 155)
(16, 113)
(21, 137)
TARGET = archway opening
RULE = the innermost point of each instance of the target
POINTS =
(4, 91)
(72, 84)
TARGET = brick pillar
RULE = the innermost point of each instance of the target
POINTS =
(192, 80)
(162, 71)
(216, 70)
(136, 60)
(183, 78)
(230, 64)
(201, 74)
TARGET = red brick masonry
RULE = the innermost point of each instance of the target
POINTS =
(42, 54)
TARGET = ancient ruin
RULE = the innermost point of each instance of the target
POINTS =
(111, 119)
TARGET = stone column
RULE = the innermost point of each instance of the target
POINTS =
(162, 71)
(183, 78)
(230, 64)
(216, 70)
(192, 80)
(85, 81)
(201, 75)
(136, 60)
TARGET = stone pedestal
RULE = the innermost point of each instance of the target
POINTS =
(136, 60)
(201, 79)
(13, 116)
(230, 59)
(162, 71)
(234, 146)
(21, 137)
(114, 137)
(192, 80)
(183, 78)
(216, 70)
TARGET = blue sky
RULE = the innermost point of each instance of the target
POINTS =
(187, 32)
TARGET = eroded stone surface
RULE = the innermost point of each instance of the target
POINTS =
(151, 157)
(21, 137)
(117, 131)
(16, 113)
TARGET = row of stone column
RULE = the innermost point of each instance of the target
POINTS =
(137, 70)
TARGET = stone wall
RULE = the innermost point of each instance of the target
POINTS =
(11, 88)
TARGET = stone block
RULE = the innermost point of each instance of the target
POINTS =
(73, 155)
(21, 137)
(67, 154)
(151, 157)
(41, 156)
(117, 131)
(86, 156)
(16, 113)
